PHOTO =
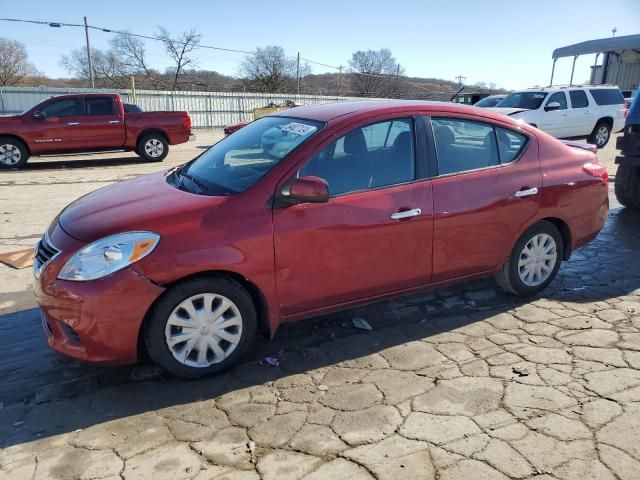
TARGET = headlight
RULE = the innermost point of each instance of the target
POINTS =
(108, 255)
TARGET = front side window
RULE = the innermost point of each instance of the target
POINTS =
(578, 99)
(376, 155)
(238, 161)
(463, 145)
(559, 97)
(98, 106)
(66, 107)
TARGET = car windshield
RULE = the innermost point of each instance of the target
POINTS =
(526, 100)
(488, 102)
(238, 161)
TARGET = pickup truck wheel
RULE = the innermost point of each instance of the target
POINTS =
(533, 262)
(201, 326)
(627, 186)
(13, 153)
(153, 147)
(600, 135)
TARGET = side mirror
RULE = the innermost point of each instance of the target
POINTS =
(306, 190)
(550, 107)
(39, 115)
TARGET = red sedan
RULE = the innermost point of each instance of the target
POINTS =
(308, 211)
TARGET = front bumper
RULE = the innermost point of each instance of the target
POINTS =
(96, 321)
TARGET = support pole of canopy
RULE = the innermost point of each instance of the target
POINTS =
(553, 70)
(575, 57)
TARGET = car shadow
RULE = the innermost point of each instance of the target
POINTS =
(36, 383)
(78, 162)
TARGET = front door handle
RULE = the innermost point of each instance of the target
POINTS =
(406, 214)
(114, 122)
(526, 192)
(73, 124)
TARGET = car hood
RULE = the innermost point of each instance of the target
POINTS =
(507, 111)
(8, 118)
(144, 203)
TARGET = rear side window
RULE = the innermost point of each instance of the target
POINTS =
(510, 144)
(464, 145)
(607, 96)
(578, 99)
(99, 105)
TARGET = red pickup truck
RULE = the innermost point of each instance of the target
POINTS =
(89, 123)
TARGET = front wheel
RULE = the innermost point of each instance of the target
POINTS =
(13, 153)
(534, 261)
(600, 135)
(153, 147)
(201, 327)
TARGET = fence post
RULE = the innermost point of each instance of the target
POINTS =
(1, 100)
(210, 112)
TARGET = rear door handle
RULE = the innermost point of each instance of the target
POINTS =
(526, 192)
(114, 122)
(406, 214)
(73, 124)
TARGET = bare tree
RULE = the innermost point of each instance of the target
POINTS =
(130, 53)
(107, 69)
(270, 70)
(180, 50)
(15, 68)
(374, 72)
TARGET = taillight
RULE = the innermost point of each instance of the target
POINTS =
(186, 121)
(626, 109)
(596, 170)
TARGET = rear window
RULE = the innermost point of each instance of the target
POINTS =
(607, 96)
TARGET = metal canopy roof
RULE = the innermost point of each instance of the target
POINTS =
(613, 44)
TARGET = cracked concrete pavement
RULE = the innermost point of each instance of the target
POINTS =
(461, 382)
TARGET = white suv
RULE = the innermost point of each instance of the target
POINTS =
(590, 112)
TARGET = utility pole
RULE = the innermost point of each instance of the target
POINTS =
(298, 72)
(613, 31)
(86, 34)
(460, 78)
(340, 81)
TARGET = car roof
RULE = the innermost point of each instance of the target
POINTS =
(329, 111)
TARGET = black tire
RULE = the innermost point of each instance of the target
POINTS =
(18, 147)
(159, 140)
(627, 186)
(508, 278)
(594, 138)
(154, 329)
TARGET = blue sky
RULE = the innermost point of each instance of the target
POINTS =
(505, 42)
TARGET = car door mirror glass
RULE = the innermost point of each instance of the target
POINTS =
(551, 106)
(306, 190)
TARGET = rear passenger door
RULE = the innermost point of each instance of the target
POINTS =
(374, 235)
(485, 190)
(581, 117)
(101, 123)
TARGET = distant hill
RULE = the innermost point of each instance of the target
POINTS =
(317, 84)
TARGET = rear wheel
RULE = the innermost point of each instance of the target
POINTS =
(201, 327)
(13, 153)
(627, 186)
(600, 135)
(153, 147)
(533, 262)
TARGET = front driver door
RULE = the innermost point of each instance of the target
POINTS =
(372, 237)
(555, 122)
(58, 128)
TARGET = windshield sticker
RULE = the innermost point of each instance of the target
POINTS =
(299, 128)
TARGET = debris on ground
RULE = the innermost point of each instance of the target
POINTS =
(521, 372)
(271, 361)
(361, 323)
